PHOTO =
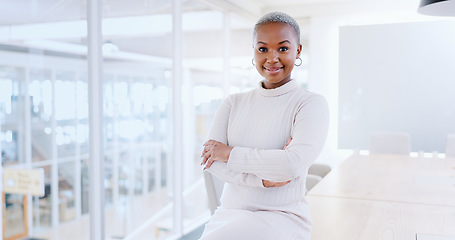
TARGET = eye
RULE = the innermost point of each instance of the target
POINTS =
(262, 49)
(283, 49)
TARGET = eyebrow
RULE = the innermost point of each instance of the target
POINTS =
(278, 43)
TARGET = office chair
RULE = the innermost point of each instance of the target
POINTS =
(311, 181)
(319, 169)
(214, 187)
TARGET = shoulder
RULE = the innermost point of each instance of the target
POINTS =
(306, 97)
(235, 97)
(310, 101)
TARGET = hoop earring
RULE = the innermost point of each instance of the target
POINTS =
(252, 62)
(299, 63)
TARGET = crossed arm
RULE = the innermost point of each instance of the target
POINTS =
(218, 151)
(267, 167)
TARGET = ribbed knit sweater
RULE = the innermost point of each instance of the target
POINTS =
(258, 124)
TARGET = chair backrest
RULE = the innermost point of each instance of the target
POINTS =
(319, 169)
(450, 145)
(390, 143)
(214, 187)
(311, 181)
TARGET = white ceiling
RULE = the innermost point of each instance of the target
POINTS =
(35, 11)
(148, 29)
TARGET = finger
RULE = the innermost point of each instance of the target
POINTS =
(210, 142)
(209, 162)
(204, 159)
(290, 139)
(283, 183)
(207, 155)
(205, 149)
(287, 144)
(211, 159)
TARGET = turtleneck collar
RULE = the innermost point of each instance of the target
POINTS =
(274, 92)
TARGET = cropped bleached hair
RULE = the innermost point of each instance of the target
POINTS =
(278, 17)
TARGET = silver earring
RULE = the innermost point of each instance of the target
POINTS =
(299, 63)
(252, 62)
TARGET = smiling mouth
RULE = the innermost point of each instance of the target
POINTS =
(272, 69)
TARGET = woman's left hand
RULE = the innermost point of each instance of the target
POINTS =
(215, 151)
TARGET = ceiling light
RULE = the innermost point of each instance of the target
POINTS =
(110, 47)
(437, 7)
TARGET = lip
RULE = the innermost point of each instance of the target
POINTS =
(273, 70)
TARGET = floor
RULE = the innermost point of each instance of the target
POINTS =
(195, 234)
(151, 213)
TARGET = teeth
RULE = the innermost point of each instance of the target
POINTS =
(273, 69)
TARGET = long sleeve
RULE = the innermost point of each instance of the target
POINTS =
(218, 132)
(258, 124)
(308, 134)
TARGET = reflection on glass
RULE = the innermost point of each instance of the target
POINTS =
(11, 114)
(65, 113)
(82, 130)
(137, 87)
(121, 98)
(85, 188)
(108, 179)
(40, 91)
(136, 117)
(42, 205)
(204, 95)
(43, 99)
(82, 96)
(15, 223)
(139, 172)
(66, 194)
(65, 97)
(206, 103)
(9, 141)
(123, 173)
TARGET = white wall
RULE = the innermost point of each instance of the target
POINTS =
(323, 75)
(397, 77)
(323, 69)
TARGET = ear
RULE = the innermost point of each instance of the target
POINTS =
(299, 50)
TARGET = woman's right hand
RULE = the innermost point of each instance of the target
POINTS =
(266, 183)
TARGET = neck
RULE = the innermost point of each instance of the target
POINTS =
(270, 85)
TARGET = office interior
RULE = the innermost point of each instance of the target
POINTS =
(165, 67)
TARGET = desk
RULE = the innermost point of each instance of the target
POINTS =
(384, 197)
(358, 219)
(391, 178)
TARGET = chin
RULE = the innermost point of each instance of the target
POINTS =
(275, 80)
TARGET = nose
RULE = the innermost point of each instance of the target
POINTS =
(272, 56)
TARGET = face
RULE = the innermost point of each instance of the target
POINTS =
(276, 48)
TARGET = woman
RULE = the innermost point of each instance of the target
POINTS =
(262, 143)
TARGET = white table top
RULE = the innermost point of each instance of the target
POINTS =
(391, 178)
(381, 197)
(358, 219)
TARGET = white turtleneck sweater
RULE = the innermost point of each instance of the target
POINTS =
(258, 124)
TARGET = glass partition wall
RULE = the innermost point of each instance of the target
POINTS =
(202, 93)
(44, 110)
(138, 120)
(42, 103)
